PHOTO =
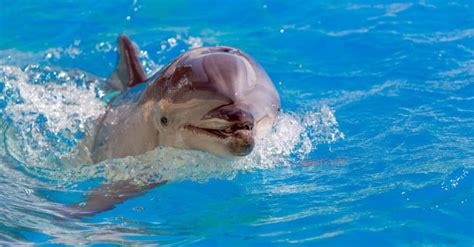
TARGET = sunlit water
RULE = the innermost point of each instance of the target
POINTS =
(375, 145)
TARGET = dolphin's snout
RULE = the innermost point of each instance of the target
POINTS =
(241, 129)
(243, 142)
(237, 115)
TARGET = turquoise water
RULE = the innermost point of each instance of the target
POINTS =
(375, 146)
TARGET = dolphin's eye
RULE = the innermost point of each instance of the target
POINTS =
(164, 121)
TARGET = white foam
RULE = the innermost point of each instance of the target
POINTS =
(45, 116)
(49, 107)
(294, 137)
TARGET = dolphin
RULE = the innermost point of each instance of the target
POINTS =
(214, 99)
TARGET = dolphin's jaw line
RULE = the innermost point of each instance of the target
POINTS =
(225, 142)
(220, 134)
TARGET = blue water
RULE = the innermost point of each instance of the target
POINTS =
(379, 152)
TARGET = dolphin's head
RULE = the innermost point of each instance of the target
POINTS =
(216, 99)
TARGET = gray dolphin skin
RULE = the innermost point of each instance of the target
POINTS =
(214, 99)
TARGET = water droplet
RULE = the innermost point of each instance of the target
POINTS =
(128, 18)
(103, 46)
(172, 42)
(282, 30)
(194, 42)
(101, 93)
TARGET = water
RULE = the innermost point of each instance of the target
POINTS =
(375, 145)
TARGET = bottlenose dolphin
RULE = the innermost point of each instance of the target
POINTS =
(214, 99)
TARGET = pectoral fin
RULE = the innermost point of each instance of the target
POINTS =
(106, 197)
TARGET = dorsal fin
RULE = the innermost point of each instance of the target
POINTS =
(129, 71)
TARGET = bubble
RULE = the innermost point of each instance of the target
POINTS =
(103, 47)
(148, 64)
(172, 42)
(194, 42)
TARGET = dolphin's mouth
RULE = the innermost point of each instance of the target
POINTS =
(241, 137)
(221, 134)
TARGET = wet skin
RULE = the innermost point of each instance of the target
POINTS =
(215, 99)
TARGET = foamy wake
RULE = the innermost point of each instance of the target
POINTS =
(49, 120)
(49, 109)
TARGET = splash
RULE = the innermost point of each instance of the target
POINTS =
(51, 110)
(293, 138)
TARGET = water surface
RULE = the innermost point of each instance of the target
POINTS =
(375, 145)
